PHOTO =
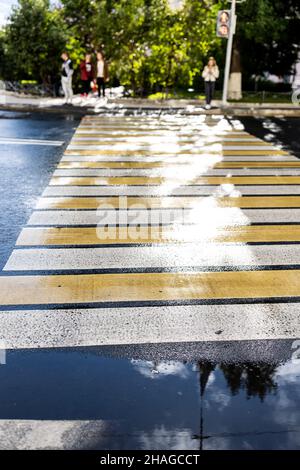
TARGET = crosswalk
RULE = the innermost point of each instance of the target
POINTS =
(158, 230)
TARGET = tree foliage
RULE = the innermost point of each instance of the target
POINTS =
(268, 35)
(32, 41)
(149, 45)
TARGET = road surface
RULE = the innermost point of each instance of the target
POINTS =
(160, 263)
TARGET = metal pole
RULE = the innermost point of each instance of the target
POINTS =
(229, 51)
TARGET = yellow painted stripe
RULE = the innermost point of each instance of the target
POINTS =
(141, 180)
(24, 290)
(166, 164)
(167, 202)
(155, 234)
(151, 152)
(246, 143)
(262, 164)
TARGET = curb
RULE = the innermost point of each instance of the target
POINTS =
(130, 109)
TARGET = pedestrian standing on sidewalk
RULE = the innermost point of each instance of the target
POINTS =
(66, 77)
(210, 74)
(86, 74)
(102, 73)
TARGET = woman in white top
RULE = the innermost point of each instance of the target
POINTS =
(102, 73)
(210, 75)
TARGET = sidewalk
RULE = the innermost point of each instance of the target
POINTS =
(93, 105)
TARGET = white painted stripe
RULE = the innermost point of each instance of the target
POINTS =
(11, 141)
(140, 140)
(137, 325)
(31, 434)
(160, 122)
(133, 127)
(168, 134)
(136, 132)
(197, 255)
(161, 138)
(230, 216)
(272, 215)
(161, 146)
(150, 128)
(187, 173)
(86, 217)
(166, 191)
(136, 147)
(125, 131)
(173, 159)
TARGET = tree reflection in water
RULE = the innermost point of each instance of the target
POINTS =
(256, 379)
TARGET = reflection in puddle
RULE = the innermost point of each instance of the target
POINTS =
(153, 397)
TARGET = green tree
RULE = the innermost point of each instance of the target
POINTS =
(33, 41)
(266, 40)
(149, 46)
(200, 36)
(80, 17)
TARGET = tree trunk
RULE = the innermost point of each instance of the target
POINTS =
(235, 79)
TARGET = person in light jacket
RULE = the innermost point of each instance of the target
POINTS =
(210, 75)
(102, 73)
(66, 77)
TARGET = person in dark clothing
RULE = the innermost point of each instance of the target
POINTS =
(102, 73)
(86, 74)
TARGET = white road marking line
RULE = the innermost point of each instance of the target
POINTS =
(161, 324)
(152, 257)
(32, 434)
(229, 216)
(11, 141)
(188, 173)
(162, 146)
(166, 191)
(188, 158)
(164, 138)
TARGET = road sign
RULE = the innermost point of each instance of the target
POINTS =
(223, 24)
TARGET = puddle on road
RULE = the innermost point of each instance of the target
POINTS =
(141, 398)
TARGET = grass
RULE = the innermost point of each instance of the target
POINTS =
(177, 95)
(248, 97)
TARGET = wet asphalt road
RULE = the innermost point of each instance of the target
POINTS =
(148, 397)
(26, 169)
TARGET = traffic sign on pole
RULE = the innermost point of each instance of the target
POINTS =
(231, 32)
(223, 24)
(229, 52)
